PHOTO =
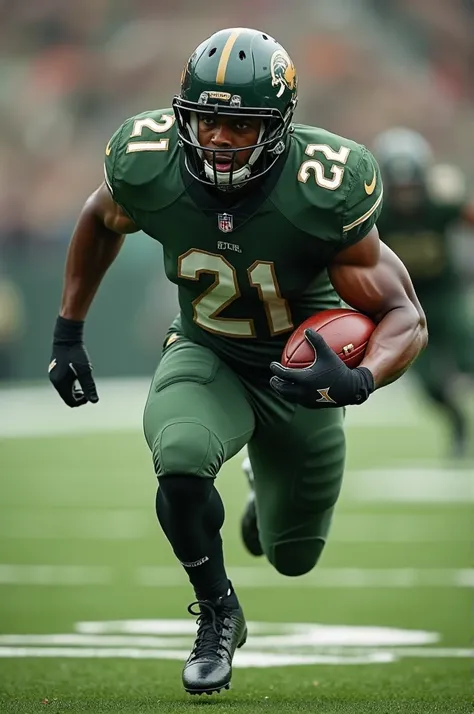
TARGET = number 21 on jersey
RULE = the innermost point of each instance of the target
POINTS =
(225, 289)
(158, 127)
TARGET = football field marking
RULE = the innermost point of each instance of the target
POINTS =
(110, 524)
(38, 411)
(269, 644)
(411, 484)
(247, 577)
(265, 577)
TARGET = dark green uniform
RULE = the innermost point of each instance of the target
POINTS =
(249, 269)
(422, 241)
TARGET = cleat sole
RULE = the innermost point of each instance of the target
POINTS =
(209, 692)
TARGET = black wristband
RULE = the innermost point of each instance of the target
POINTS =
(367, 384)
(67, 332)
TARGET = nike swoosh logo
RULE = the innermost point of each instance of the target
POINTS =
(52, 365)
(370, 188)
(108, 149)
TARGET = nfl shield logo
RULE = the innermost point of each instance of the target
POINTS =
(225, 221)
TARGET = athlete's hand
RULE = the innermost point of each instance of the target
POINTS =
(326, 383)
(70, 370)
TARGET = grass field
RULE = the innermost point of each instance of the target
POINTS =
(93, 606)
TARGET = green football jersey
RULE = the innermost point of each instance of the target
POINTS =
(250, 265)
(421, 239)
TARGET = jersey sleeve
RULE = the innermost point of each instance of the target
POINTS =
(363, 202)
(113, 151)
(140, 166)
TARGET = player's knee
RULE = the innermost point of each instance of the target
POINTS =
(296, 557)
(187, 493)
(187, 448)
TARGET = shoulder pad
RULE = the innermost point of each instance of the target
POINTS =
(332, 187)
(142, 161)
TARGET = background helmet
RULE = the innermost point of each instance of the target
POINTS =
(237, 72)
(404, 157)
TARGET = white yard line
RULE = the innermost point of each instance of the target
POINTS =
(256, 642)
(411, 485)
(244, 658)
(76, 524)
(38, 411)
(12, 574)
(246, 577)
(398, 528)
(135, 524)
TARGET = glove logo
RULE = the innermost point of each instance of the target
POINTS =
(52, 365)
(325, 396)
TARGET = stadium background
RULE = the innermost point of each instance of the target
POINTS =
(78, 541)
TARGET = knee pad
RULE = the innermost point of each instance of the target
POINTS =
(188, 492)
(295, 557)
(187, 448)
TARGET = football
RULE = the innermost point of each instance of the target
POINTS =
(346, 331)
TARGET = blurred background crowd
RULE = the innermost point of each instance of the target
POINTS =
(71, 72)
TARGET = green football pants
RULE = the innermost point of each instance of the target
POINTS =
(199, 413)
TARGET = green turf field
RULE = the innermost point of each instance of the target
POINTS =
(93, 607)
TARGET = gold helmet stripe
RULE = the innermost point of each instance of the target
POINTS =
(221, 69)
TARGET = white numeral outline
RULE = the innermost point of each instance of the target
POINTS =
(165, 124)
(307, 167)
(225, 290)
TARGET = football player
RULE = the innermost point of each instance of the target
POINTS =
(262, 223)
(422, 202)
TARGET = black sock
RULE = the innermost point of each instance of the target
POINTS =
(191, 513)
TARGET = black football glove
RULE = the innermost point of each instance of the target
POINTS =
(70, 370)
(326, 383)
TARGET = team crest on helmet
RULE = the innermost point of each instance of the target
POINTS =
(283, 72)
(225, 221)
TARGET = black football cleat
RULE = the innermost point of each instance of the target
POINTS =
(221, 629)
(248, 522)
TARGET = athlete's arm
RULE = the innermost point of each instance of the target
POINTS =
(95, 243)
(372, 279)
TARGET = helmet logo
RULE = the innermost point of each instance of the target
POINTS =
(222, 96)
(283, 72)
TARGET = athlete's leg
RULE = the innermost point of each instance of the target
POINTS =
(196, 417)
(450, 351)
(298, 469)
(436, 373)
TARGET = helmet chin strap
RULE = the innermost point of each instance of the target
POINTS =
(223, 177)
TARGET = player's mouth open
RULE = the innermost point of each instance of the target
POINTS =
(223, 162)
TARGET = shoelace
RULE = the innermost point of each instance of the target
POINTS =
(211, 631)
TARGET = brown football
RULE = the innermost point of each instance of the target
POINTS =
(345, 331)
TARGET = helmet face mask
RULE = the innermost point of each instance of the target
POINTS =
(240, 74)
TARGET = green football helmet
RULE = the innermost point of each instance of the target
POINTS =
(236, 72)
(404, 157)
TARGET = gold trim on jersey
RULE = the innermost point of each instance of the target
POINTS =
(223, 62)
(106, 179)
(366, 215)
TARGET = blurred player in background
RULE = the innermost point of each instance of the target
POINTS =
(422, 203)
(261, 222)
